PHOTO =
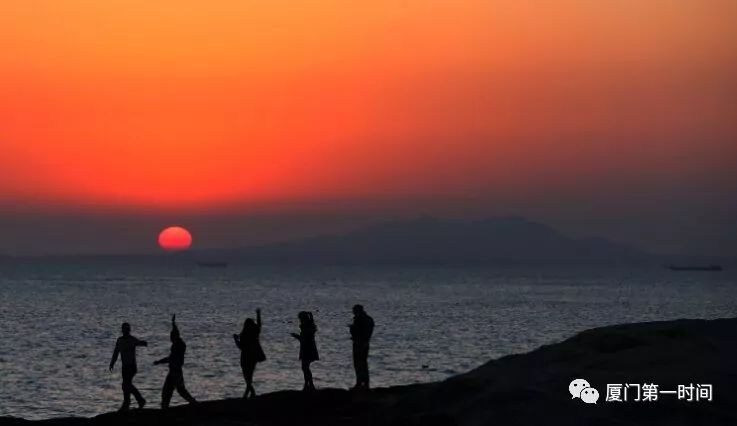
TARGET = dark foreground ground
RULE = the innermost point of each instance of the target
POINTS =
(527, 389)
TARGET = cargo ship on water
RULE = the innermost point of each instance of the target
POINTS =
(695, 268)
(212, 264)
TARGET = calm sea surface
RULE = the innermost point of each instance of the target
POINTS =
(59, 322)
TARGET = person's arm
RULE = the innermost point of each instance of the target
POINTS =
(296, 336)
(116, 351)
(140, 342)
(237, 340)
(164, 360)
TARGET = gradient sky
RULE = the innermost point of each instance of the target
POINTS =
(254, 121)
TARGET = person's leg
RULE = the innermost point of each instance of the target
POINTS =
(248, 373)
(127, 378)
(167, 391)
(364, 366)
(182, 390)
(360, 364)
(184, 393)
(128, 388)
(356, 366)
(305, 372)
(308, 375)
(139, 399)
(364, 371)
(244, 369)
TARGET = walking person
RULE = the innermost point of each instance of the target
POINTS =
(307, 346)
(175, 378)
(251, 352)
(126, 346)
(361, 331)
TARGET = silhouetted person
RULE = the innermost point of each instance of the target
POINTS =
(175, 378)
(361, 331)
(307, 346)
(251, 351)
(125, 346)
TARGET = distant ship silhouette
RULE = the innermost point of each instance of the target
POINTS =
(212, 264)
(695, 268)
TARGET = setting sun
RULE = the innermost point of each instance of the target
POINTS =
(175, 238)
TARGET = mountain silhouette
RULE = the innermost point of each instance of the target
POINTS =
(428, 241)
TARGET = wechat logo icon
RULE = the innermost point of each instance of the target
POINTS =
(581, 388)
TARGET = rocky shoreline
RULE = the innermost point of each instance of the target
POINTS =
(525, 389)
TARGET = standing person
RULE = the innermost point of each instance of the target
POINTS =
(175, 378)
(125, 346)
(251, 351)
(307, 346)
(361, 331)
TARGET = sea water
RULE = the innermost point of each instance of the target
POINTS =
(59, 321)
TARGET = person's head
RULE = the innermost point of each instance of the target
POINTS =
(305, 317)
(125, 329)
(248, 325)
(358, 310)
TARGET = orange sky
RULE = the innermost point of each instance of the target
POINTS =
(193, 104)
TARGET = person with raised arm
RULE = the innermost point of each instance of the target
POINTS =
(251, 352)
(175, 360)
(307, 347)
(126, 346)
